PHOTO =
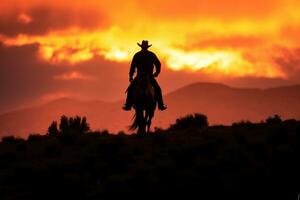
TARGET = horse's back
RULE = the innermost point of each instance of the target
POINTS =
(144, 92)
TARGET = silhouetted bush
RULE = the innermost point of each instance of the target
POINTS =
(158, 130)
(196, 120)
(274, 120)
(34, 137)
(100, 133)
(84, 126)
(121, 133)
(8, 139)
(75, 125)
(13, 140)
(53, 130)
(64, 123)
(290, 121)
(104, 133)
(242, 123)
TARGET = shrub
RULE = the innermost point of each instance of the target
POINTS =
(196, 120)
(242, 123)
(34, 137)
(8, 139)
(64, 123)
(53, 130)
(72, 125)
(274, 120)
(121, 133)
(104, 133)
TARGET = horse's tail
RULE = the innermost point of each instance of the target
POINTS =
(135, 123)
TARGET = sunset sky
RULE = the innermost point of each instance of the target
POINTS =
(82, 49)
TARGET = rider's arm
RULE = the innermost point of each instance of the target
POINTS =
(157, 64)
(132, 66)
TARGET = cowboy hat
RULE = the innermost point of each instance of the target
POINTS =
(144, 44)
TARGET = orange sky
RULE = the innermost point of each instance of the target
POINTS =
(233, 39)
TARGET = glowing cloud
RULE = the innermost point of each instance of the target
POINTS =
(24, 18)
(74, 75)
(196, 35)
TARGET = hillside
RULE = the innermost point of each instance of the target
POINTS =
(222, 104)
(244, 161)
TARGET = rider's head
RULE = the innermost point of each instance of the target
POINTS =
(144, 45)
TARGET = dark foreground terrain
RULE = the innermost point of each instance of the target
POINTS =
(190, 160)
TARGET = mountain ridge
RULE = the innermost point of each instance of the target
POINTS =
(221, 103)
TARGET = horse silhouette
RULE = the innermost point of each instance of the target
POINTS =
(144, 103)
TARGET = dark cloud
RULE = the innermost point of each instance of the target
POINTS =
(45, 19)
(109, 81)
(23, 77)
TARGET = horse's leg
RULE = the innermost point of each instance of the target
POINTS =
(144, 114)
(141, 122)
(147, 118)
(139, 114)
(150, 116)
(148, 125)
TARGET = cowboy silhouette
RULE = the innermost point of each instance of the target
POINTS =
(144, 61)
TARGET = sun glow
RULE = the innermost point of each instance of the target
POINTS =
(179, 59)
(116, 55)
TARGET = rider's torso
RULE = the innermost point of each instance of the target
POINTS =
(144, 61)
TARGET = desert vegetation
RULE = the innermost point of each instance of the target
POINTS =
(190, 158)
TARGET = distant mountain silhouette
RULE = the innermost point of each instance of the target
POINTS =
(222, 105)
